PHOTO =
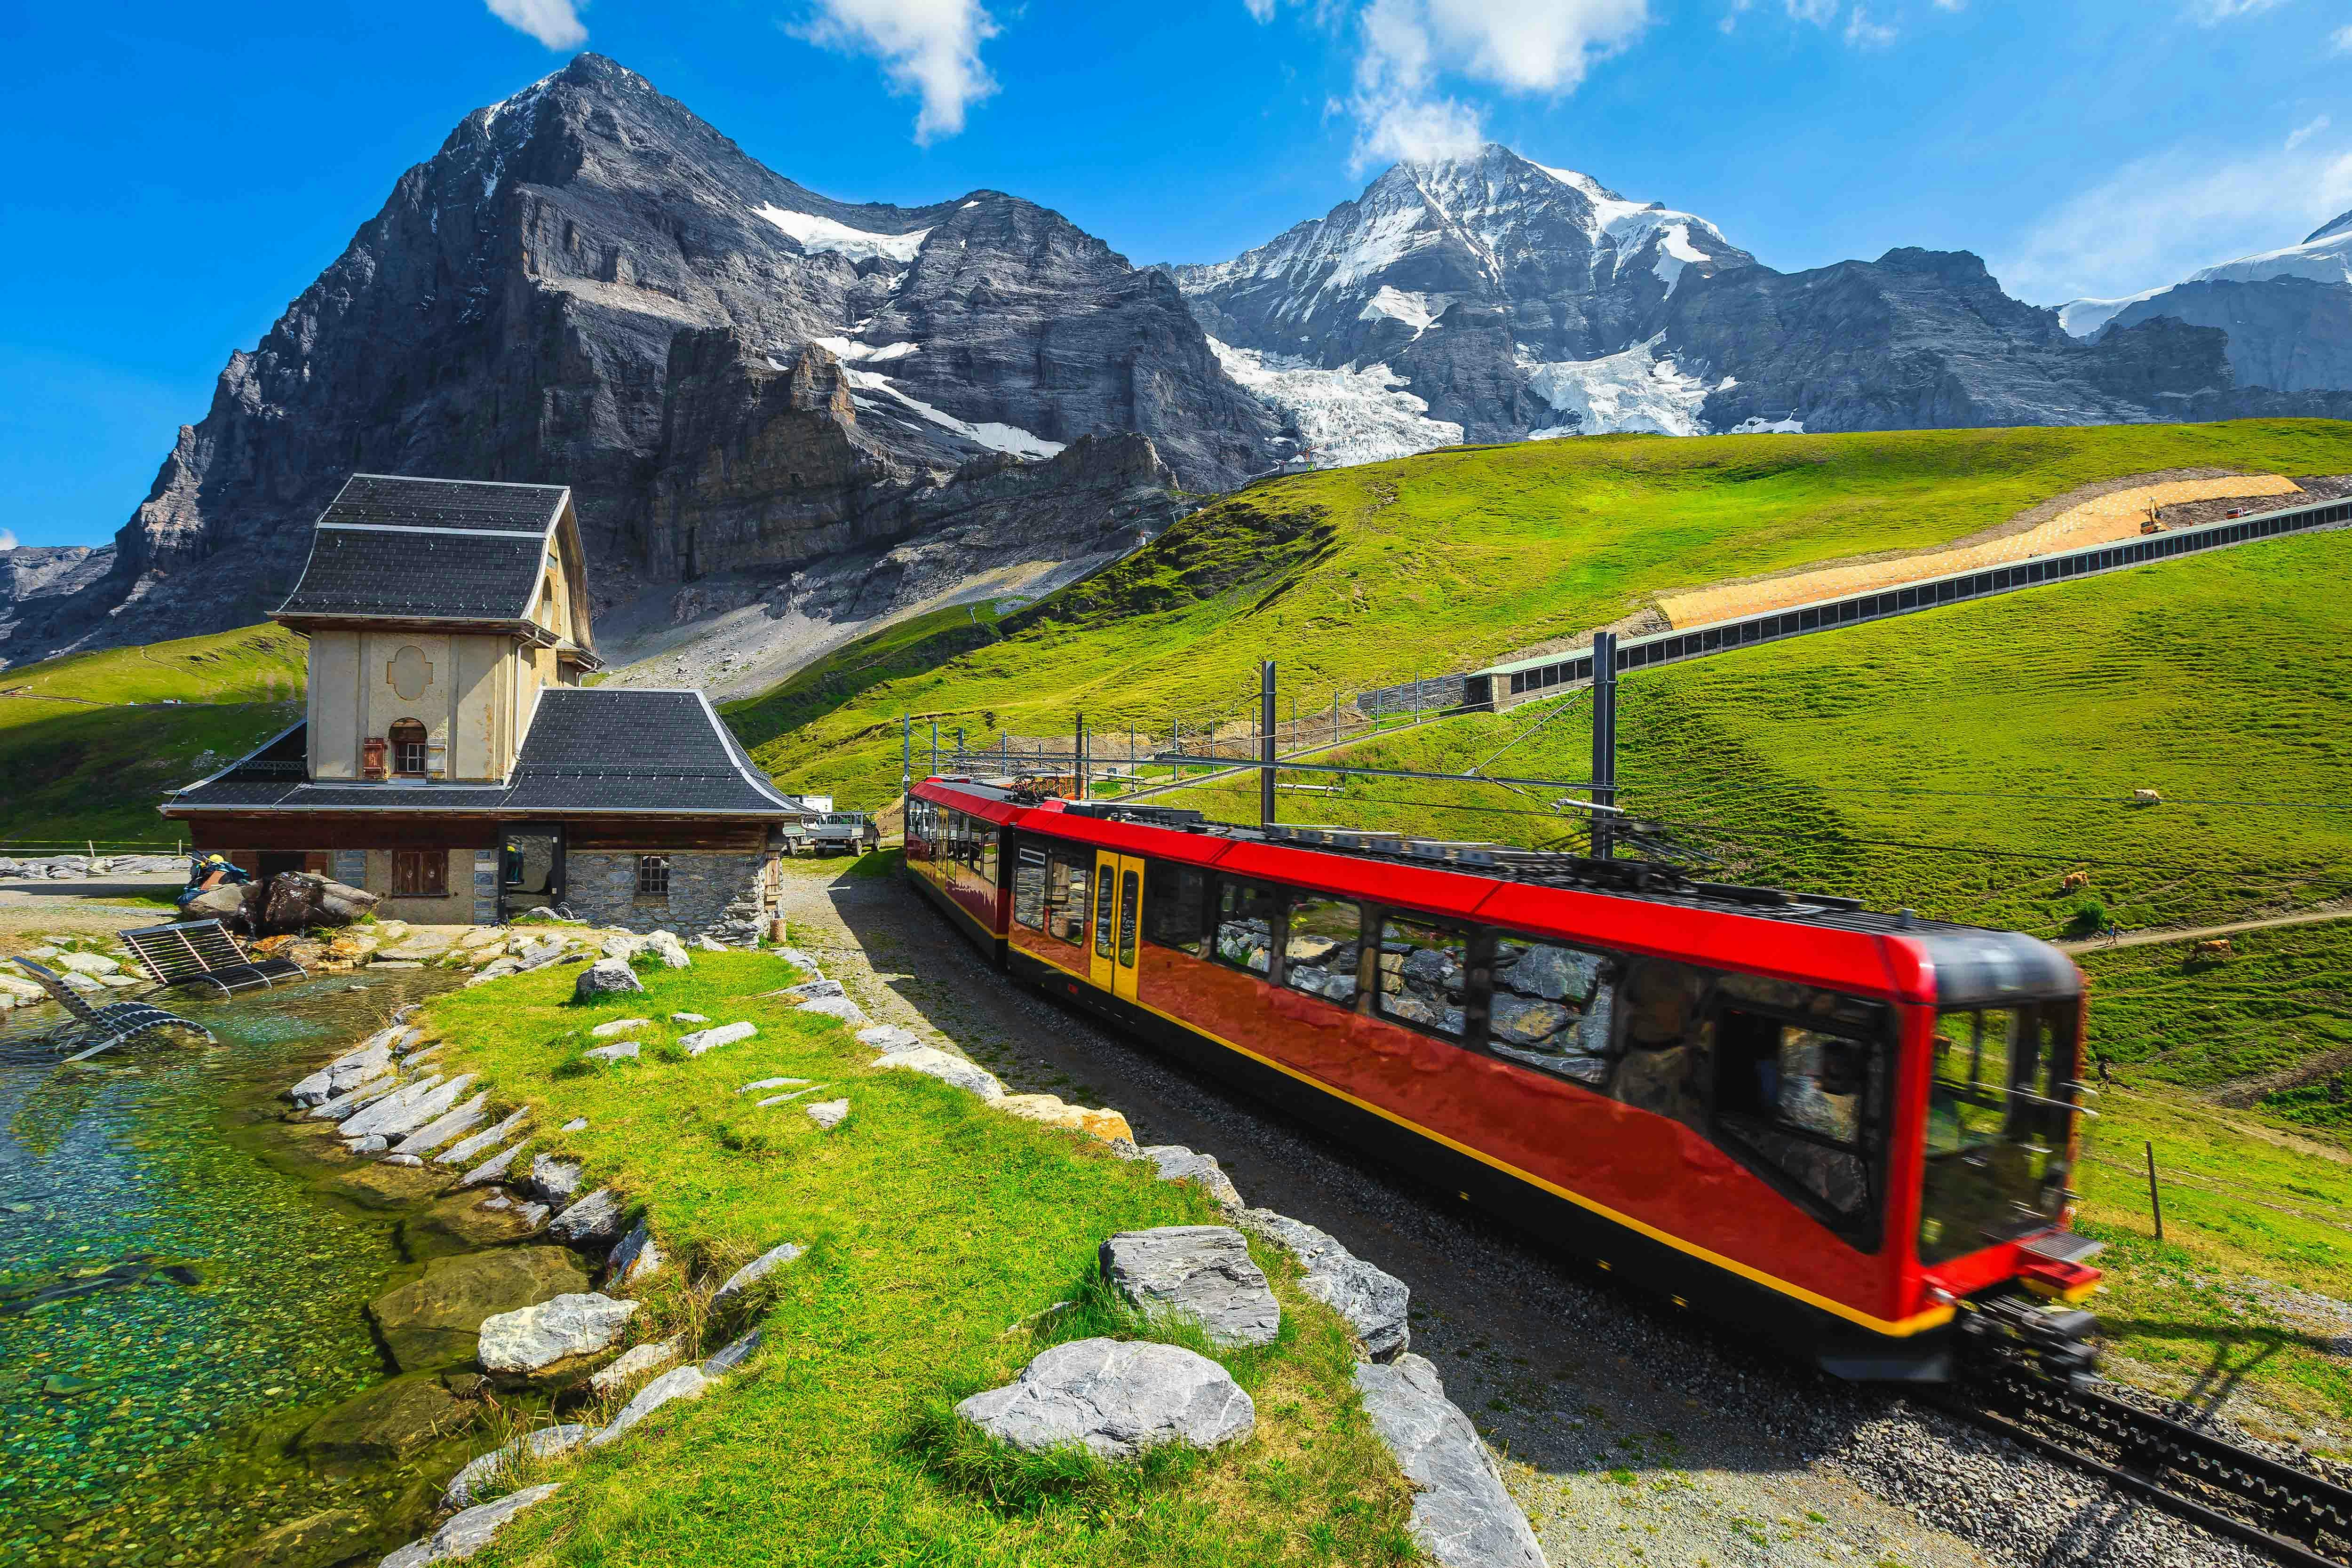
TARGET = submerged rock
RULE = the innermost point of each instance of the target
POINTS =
(388, 1422)
(312, 1541)
(1201, 1273)
(1118, 1398)
(434, 1321)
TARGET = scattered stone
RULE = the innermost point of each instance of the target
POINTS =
(671, 951)
(397, 1117)
(1461, 1514)
(592, 1221)
(310, 1542)
(411, 1161)
(1053, 1111)
(544, 1443)
(469, 1531)
(577, 1124)
(829, 1115)
(638, 1258)
(889, 1037)
(1374, 1301)
(390, 1421)
(457, 1118)
(709, 945)
(622, 945)
(727, 1357)
(465, 1385)
(771, 1083)
(374, 1143)
(605, 978)
(1178, 1163)
(787, 1099)
(810, 989)
(552, 1337)
(465, 1149)
(618, 1026)
(1200, 1272)
(703, 1040)
(634, 1364)
(953, 1070)
(759, 1268)
(493, 1169)
(88, 964)
(434, 1321)
(557, 1181)
(689, 1018)
(1117, 1397)
(469, 1222)
(840, 1007)
(680, 1382)
(618, 1051)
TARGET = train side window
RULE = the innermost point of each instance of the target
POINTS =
(1173, 899)
(1103, 912)
(1320, 951)
(1067, 872)
(1423, 969)
(983, 858)
(1130, 894)
(1550, 1007)
(1246, 913)
(1029, 887)
(1804, 1102)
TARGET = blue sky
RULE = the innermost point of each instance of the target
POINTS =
(176, 178)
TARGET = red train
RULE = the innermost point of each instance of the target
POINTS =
(1851, 1130)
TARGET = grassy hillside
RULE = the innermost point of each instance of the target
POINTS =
(1361, 576)
(1963, 761)
(88, 742)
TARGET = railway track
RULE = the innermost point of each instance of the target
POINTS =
(2299, 1517)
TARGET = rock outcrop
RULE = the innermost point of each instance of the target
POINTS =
(1201, 1274)
(1118, 1398)
(1462, 1515)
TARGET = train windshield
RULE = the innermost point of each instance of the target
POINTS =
(1999, 1118)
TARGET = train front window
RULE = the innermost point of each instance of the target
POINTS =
(1999, 1122)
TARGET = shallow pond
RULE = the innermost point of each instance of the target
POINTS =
(175, 1297)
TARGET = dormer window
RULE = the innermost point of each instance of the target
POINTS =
(407, 739)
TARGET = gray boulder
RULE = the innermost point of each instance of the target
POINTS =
(638, 1258)
(1462, 1515)
(810, 989)
(469, 1531)
(703, 1040)
(495, 1168)
(553, 1179)
(759, 1268)
(468, 1147)
(1201, 1273)
(434, 1321)
(1375, 1303)
(483, 1472)
(1178, 1163)
(619, 1027)
(827, 1114)
(605, 978)
(1118, 1398)
(592, 1221)
(679, 1382)
(544, 1339)
(950, 1069)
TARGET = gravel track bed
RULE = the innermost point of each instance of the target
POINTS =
(1633, 1433)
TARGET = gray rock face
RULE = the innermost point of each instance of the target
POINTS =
(2293, 335)
(1198, 1272)
(1461, 1514)
(589, 285)
(1375, 1302)
(592, 1221)
(35, 577)
(680, 1382)
(605, 978)
(567, 1328)
(540, 1443)
(469, 1531)
(1118, 1398)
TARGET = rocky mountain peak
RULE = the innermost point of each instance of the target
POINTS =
(2341, 225)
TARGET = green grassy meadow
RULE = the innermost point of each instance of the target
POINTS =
(935, 1228)
(1358, 577)
(89, 741)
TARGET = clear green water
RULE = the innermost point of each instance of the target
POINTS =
(147, 1422)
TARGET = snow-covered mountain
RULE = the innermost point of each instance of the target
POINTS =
(2288, 312)
(1495, 293)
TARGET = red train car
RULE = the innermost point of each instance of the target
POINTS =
(1852, 1130)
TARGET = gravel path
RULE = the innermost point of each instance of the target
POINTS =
(1631, 1433)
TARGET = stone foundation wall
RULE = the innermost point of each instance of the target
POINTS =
(601, 887)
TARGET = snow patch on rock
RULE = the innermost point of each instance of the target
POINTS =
(818, 234)
(1631, 390)
(1346, 415)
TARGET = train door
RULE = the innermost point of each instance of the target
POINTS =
(1117, 905)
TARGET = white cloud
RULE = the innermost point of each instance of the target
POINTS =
(927, 47)
(1821, 13)
(1520, 46)
(1951, 4)
(7, 539)
(1865, 34)
(2301, 134)
(2211, 13)
(2159, 218)
(2343, 40)
(555, 22)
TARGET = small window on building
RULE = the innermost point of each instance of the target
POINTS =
(652, 876)
(420, 873)
(408, 748)
(1318, 956)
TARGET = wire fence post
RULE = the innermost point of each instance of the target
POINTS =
(2155, 1203)
(906, 753)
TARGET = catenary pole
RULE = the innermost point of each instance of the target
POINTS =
(1266, 712)
(1604, 742)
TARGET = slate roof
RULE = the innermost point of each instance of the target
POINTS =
(465, 549)
(590, 752)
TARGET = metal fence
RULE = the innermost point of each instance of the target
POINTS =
(1433, 695)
